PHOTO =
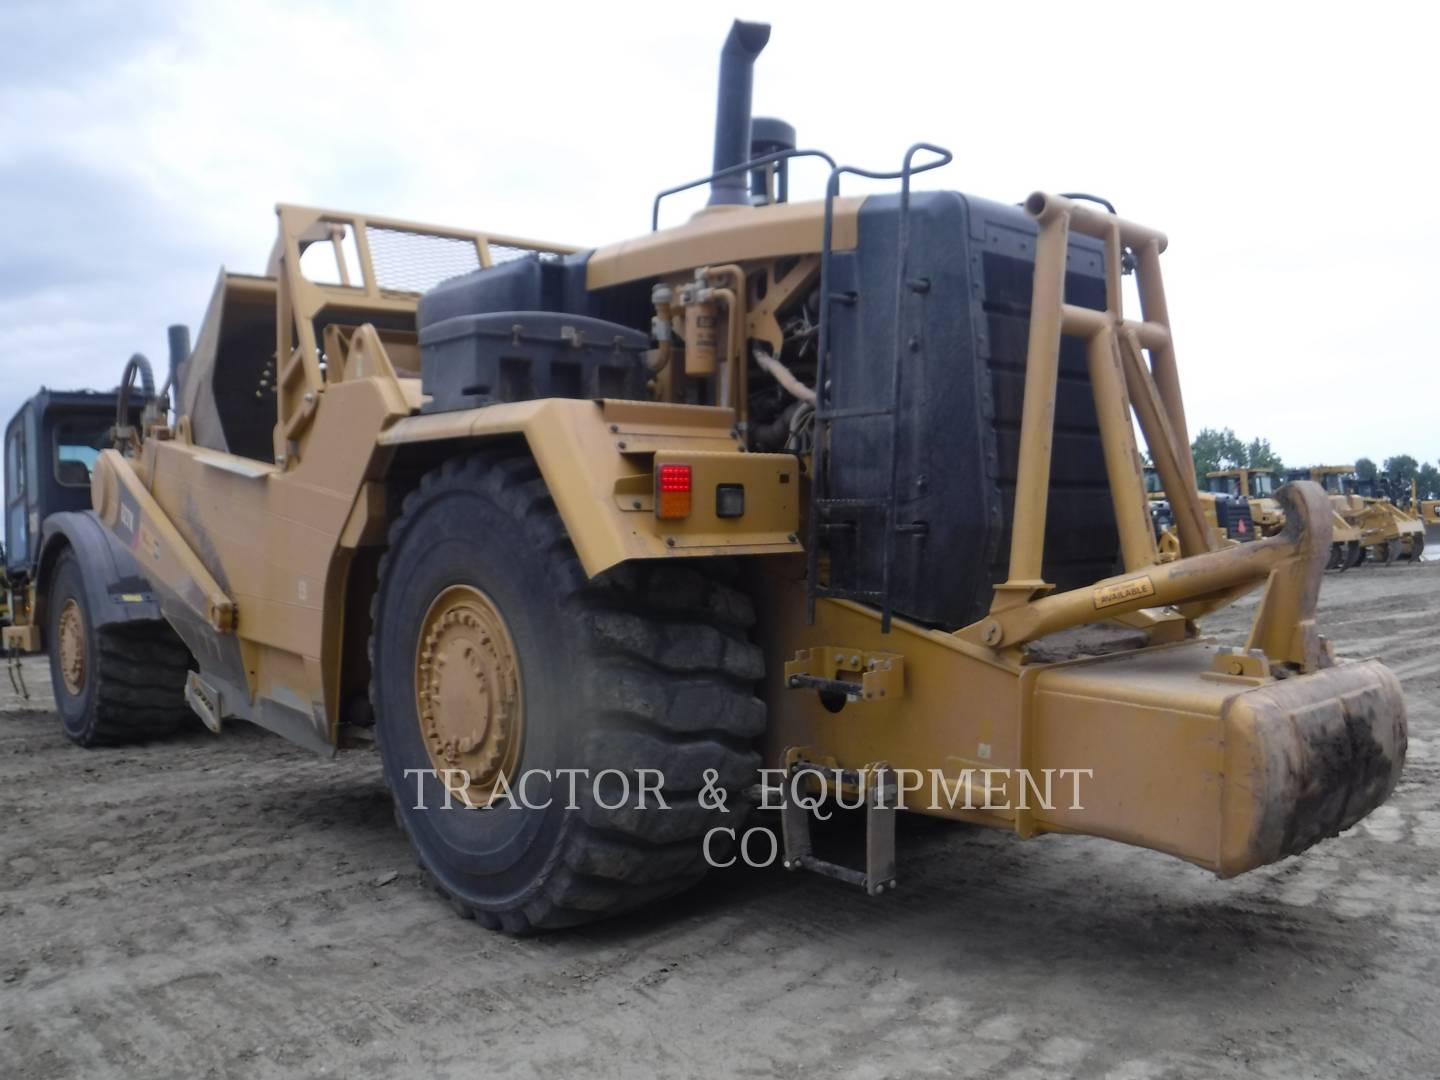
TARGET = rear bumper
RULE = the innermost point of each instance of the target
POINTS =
(1306, 759)
(1231, 774)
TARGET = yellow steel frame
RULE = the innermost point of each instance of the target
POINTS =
(1116, 346)
(301, 301)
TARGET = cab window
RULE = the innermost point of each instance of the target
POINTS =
(76, 450)
(15, 466)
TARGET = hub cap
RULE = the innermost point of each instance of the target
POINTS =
(72, 647)
(467, 691)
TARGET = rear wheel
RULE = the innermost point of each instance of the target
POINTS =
(495, 658)
(113, 684)
(1337, 557)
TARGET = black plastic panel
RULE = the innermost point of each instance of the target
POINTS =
(962, 355)
(469, 361)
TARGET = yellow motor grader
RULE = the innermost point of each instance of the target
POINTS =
(1387, 533)
(832, 488)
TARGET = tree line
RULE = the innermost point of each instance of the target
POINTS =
(1216, 450)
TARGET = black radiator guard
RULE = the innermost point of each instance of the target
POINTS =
(962, 388)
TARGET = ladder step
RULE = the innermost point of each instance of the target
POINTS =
(879, 872)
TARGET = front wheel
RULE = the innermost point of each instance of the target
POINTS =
(503, 677)
(113, 684)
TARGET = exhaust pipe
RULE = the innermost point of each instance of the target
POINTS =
(179, 352)
(732, 110)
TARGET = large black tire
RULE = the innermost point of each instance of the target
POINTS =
(131, 683)
(649, 666)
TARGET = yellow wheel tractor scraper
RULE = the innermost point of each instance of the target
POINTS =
(835, 488)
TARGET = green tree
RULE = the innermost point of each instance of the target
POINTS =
(1260, 455)
(1366, 469)
(1214, 450)
(1401, 468)
(1428, 481)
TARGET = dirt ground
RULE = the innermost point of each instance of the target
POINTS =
(235, 907)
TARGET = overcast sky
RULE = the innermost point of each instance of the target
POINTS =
(1288, 150)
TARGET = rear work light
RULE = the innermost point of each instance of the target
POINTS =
(672, 491)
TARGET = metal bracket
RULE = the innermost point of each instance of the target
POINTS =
(17, 673)
(880, 792)
(204, 699)
(1252, 664)
(878, 675)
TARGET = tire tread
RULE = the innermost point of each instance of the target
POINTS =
(670, 685)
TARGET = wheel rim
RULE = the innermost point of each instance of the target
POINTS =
(467, 692)
(72, 647)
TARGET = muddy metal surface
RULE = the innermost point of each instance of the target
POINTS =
(238, 908)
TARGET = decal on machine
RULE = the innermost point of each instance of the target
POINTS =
(1122, 592)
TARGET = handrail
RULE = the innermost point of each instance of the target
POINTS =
(743, 167)
(819, 490)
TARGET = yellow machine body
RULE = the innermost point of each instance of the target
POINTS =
(263, 516)
(1226, 756)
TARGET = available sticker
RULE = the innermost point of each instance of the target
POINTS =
(1123, 592)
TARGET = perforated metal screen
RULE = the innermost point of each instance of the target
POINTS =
(415, 262)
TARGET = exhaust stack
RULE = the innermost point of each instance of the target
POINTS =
(732, 110)
(179, 336)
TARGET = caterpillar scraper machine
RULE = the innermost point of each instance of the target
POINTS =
(1257, 486)
(835, 487)
(1387, 533)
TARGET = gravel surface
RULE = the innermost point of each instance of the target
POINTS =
(235, 907)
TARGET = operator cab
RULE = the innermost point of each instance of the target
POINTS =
(1223, 485)
(51, 445)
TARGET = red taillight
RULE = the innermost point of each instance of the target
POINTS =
(672, 491)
